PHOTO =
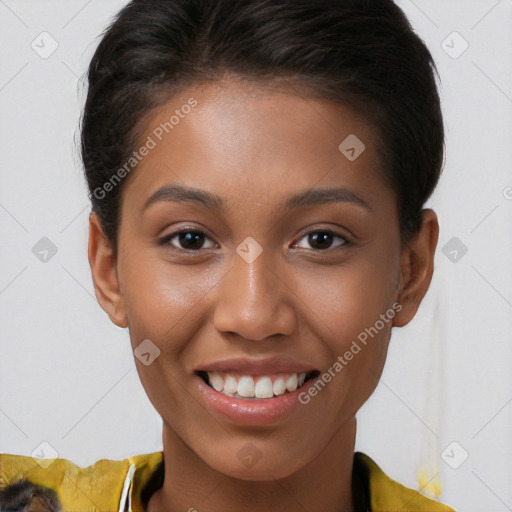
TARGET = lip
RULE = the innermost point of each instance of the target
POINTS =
(251, 366)
(243, 411)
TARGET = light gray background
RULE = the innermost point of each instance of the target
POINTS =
(67, 375)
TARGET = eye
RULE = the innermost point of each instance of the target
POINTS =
(187, 240)
(323, 239)
(193, 240)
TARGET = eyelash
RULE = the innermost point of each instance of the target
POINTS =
(166, 241)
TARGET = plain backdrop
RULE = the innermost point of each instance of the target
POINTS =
(67, 375)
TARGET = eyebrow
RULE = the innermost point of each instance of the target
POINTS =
(310, 197)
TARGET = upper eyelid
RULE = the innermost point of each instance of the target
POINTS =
(320, 229)
(335, 233)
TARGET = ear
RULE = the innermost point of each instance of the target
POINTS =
(417, 268)
(104, 273)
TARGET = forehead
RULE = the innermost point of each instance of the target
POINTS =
(254, 141)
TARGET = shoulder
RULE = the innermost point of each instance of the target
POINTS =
(105, 485)
(385, 494)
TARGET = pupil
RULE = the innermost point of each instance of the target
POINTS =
(321, 238)
(189, 238)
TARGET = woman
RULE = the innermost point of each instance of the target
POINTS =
(257, 172)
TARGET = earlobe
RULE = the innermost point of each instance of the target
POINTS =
(417, 268)
(104, 273)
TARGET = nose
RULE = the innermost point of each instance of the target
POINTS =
(254, 301)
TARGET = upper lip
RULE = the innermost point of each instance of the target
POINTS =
(251, 366)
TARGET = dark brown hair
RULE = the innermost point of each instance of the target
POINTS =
(363, 53)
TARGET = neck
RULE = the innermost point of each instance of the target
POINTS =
(325, 484)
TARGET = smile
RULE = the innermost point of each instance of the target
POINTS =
(256, 386)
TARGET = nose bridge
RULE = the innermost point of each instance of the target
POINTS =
(252, 300)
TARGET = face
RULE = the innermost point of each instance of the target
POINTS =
(244, 289)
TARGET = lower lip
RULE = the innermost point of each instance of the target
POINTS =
(242, 411)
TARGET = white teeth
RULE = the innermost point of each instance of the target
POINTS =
(246, 387)
(279, 387)
(230, 385)
(291, 383)
(263, 388)
(216, 381)
(257, 387)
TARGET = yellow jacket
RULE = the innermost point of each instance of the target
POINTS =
(126, 485)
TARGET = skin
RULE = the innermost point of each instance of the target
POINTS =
(254, 146)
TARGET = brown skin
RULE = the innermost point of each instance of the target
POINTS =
(254, 147)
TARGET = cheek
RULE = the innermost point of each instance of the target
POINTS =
(351, 307)
(349, 299)
(162, 298)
